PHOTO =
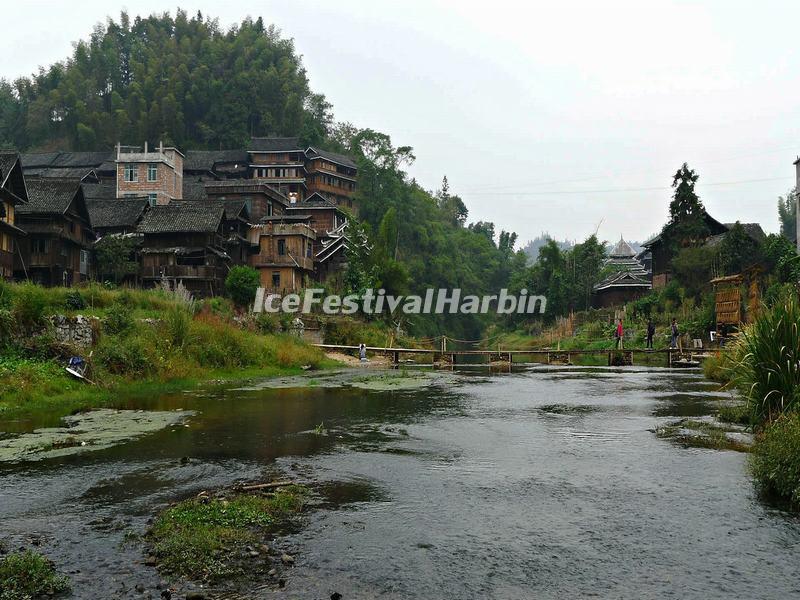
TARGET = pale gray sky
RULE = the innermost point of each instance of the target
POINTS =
(545, 116)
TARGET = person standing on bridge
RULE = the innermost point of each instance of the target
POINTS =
(651, 331)
(619, 333)
(673, 342)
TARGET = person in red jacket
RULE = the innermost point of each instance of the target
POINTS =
(619, 333)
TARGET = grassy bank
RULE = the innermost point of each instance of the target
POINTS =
(210, 539)
(763, 366)
(144, 342)
(25, 575)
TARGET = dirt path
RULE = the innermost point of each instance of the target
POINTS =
(375, 361)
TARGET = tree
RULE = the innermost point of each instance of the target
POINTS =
(115, 257)
(687, 217)
(787, 213)
(242, 284)
(738, 251)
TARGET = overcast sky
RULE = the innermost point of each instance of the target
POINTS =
(545, 116)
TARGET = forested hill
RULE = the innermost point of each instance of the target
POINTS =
(181, 79)
(188, 82)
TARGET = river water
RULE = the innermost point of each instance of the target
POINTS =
(542, 483)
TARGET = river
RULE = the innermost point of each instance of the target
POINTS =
(541, 483)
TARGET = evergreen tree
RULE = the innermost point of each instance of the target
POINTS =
(687, 217)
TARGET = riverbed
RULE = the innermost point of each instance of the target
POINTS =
(540, 483)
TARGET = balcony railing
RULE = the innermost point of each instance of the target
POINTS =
(183, 272)
(276, 260)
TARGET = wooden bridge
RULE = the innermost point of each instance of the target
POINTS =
(673, 357)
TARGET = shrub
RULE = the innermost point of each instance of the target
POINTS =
(74, 301)
(768, 370)
(177, 324)
(127, 356)
(241, 285)
(29, 575)
(30, 303)
(119, 318)
(775, 460)
(267, 323)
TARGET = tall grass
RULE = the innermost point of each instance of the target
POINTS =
(768, 369)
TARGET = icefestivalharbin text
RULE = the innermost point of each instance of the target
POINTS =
(439, 301)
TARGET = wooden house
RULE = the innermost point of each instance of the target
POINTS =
(57, 248)
(331, 175)
(280, 162)
(285, 252)
(261, 199)
(182, 242)
(660, 256)
(13, 193)
(212, 165)
(236, 228)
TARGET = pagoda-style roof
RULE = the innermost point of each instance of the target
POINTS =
(622, 250)
(623, 280)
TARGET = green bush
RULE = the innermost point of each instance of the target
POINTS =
(130, 356)
(119, 317)
(177, 322)
(74, 301)
(267, 323)
(775, 460)
(30, 302)
(25, 575)
(241, 285)
(768, 370)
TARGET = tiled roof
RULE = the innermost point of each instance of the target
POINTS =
(199, 217)
(116, 212)
(49, 196)
(7, 162)
(623, 279)
(622, 250)
(315, 200)
(234, 208)
(332, 156)
(205, 160)
(99, 191)
(274, 144)
(194, 190)
(66, 159)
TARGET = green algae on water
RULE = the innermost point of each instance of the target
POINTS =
(86, 432)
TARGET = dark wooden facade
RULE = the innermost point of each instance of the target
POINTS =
(13, 193)
(185, 243)
(285, 254)
(58, 244)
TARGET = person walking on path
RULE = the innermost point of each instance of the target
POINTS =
(362, 352)
(619, 333)
(651, 331)
(673, 342)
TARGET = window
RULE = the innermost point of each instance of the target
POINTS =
(3, 210)
(152, 172)
(308, 249)
(276, 279)
(39, 246)
(84, 262)
(152, 198)
(269, 209)
(281, 247)
(131, 172)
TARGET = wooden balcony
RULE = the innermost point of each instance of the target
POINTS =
(207, 272)
(275, 260)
